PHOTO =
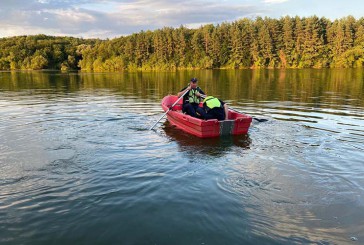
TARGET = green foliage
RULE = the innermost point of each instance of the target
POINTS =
(38, 62)
(288, 42)
(4, 64)
(42, 52)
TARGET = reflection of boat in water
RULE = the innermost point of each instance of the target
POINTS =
(237, 123)
(211, 146)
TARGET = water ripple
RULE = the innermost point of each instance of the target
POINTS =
(81, 165)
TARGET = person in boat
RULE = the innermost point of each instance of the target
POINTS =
(192, 99)
(213, 108)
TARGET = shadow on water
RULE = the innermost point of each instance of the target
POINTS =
(211, 146)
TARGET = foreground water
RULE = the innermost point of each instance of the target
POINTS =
(78, 164)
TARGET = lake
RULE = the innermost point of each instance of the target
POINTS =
(78, 164)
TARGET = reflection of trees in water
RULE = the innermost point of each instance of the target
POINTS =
(312, 86)
(40, 80)
(212, 146)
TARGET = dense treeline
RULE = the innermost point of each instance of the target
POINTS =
(288, 42)
(42, 52)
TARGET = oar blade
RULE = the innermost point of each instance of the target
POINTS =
(260, 119)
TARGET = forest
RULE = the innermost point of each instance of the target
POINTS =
(42, 52)
(288, 42)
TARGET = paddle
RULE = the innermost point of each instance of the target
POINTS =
(170, 108)
(257, 119)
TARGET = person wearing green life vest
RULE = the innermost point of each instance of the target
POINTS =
(192, 99)
(213, 108)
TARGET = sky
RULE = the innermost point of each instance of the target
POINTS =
(113, 18)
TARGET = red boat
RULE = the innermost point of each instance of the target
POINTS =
(237, 123)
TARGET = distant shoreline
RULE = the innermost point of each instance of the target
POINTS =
(263, 43)
(181, 69)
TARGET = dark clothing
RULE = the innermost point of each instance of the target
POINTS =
(190, 108)
(214, 113)
(186, 97)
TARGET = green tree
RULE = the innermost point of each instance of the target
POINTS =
(39, 62)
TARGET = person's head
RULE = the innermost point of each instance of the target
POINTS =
(193, 82)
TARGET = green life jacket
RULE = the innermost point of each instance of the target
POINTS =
(212, 102)
(192, 97)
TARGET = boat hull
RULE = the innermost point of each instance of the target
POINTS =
(236, 124)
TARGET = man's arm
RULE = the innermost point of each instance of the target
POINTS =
(226, 109)
(183, 91)
(199, 93)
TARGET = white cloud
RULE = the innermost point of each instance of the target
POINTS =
(110, 18)
(71, 15)
(165, 13)
(14, 30)
(275, 1)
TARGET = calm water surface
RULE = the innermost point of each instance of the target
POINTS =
(78, 164)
